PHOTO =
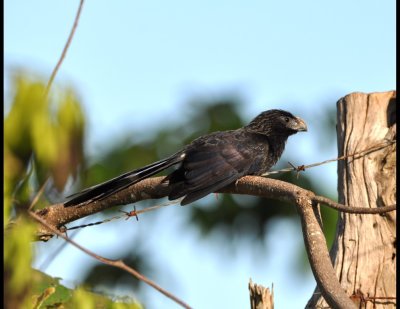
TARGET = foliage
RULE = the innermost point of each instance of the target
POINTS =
(48, 292)
(43, 139)
(41, 134)
(17, 261)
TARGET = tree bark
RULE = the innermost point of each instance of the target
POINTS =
(364, 251)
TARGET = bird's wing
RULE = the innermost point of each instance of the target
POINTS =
(112, 186)
(209, 168)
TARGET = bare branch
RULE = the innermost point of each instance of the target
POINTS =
(57, 215)
(353, 210)
(318, 255)
(314, 239)
(38, 194)
(64, 52)
(152, 188)
(115, 263)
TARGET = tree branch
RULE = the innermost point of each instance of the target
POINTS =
(353, 210)
(318, 255)
(153, 188)
(64, 52)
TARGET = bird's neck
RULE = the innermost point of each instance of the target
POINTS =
(277, 142)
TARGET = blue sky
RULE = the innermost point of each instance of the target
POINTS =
(135, 64)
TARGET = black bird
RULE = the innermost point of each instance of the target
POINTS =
(212, 161)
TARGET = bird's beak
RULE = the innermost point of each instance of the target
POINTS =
(301, 125)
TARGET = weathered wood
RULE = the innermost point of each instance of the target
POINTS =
(364, 251)
(261, 297)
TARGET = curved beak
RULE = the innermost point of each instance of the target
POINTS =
(301, 125)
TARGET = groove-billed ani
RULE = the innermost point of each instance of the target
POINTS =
(213, 161)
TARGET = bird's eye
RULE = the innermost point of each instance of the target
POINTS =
(287, 119)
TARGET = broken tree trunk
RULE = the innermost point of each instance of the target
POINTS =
(364, 252)
(261, 297)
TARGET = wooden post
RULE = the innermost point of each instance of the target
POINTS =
(364, 252)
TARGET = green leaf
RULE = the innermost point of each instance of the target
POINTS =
(17, 261)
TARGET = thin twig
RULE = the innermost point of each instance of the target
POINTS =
(301, 168)
(56, 252)
(64, 52)
(115, 263)
(353, 210)
(38, 194)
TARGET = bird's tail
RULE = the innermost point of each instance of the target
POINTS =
(112, 186)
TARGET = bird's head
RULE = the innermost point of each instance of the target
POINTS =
(276, 122)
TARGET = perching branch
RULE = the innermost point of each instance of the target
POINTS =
(58, 215)
(152, 188)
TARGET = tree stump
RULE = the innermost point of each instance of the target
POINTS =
(261, 297)
(364, 251)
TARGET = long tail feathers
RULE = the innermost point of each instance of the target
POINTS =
(112, 186)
